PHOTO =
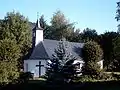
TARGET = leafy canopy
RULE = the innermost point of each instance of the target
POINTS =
(92, 52)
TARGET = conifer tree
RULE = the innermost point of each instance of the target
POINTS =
(15, 27)
(61, 66)
(15, 41)
(9, 54)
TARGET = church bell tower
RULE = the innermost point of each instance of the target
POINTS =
(37, 34)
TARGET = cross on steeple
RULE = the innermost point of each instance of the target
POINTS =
(39, 66)
(37, 15)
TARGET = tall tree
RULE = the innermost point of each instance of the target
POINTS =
(60, 26)
(16, 27)
(47, 29)
(118, 15)
(75, 36)
(115, 64)
(89, 35)
(107, 41)
(9, 55)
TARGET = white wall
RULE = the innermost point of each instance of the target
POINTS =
(81, 63)
(39, 36)
(101, 64)
(32, 67)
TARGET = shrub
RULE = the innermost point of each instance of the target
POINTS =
(91, 68)
(25, 76)
(105, 76)
(84, 78)
(116, 76)
(92, 53)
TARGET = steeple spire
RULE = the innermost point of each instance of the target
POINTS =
(37, 15)
(37, 33)
(37, 26)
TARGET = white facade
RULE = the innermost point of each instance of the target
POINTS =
(80, 63)
(101, 64)
(30, 66)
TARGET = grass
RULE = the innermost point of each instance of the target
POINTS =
(118, 73)
(42, 85)
(42, 79)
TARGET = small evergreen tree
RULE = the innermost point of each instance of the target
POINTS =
(61, 66)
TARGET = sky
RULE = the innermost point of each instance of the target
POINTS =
(94, 14)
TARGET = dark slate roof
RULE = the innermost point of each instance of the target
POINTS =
(45, 49)
(39, 52)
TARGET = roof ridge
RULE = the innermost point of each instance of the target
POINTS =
(66, 41)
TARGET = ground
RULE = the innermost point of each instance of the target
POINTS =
(41, 85)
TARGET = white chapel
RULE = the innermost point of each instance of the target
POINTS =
(43, 50)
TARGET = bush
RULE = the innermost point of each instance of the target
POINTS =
(85, 78)
(91, 68)
(104, 76)
(92, 53)
(25, 76)
(43, 76)
(95, 78)
(116, 76)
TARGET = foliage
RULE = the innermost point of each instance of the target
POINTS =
(75, 36)
(46, 27)
(25, 76)
(92, 53)
(9, 54)
(84, 78)
(94, 78)
(15, 42)
(61, 66)
(107, 42)
(89, 35)
(91, 68)
(115, 64)
(116, 48)
(60, 26)
(118, 14)
(16, 27)
(103, 76)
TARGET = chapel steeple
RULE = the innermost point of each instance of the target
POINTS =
(37, 33)
(37, 26)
